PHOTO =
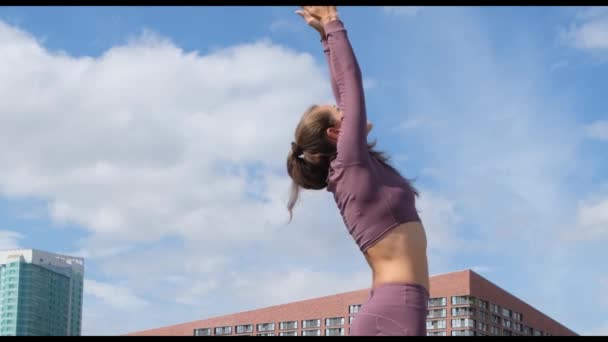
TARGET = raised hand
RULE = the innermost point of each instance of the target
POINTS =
(312, 21)
(323, 14)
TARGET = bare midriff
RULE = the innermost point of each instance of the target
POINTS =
(400, 256)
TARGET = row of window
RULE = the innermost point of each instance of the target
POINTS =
(470, 323)
(456, 323)
(496, 331)
(341, 331)
(265, 327)
(483, 304)
(313, 332)
(469, 311)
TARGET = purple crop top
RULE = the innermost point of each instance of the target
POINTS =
(372, 198)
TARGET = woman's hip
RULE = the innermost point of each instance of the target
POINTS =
(397, 309)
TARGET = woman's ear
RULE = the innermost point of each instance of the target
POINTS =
(332, 134)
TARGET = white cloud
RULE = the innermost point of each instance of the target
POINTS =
(149, 146)
(590, 29)
(402, 10)
(9, 239)
(598, 130)
(115, 296)
(591, 221)
(147, 125)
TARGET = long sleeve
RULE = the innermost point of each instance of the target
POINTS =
(352, 142)
(334, 85)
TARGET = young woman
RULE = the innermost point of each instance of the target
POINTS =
(377, 204)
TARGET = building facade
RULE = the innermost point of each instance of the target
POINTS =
(460, 304)
(40, 293)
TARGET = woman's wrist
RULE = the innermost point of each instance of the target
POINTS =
(329, 18)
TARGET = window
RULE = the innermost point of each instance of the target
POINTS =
(223, 330)
(517, 316)
(245, 328)
(526, 330)
(354, 308)
(506, 312)
(435, 324)
(483, 315)
(334, 332)
(495, 308)
(538, 332)
(463, 333)
(466, 311)
(482, 326)
(506, 323)
(494, 330)
(202, 332)
(517, 327)
(265, 327)
(440, 301)
(288, 333)
(266, 334)
(483, 304)
(462, 300)
(334, 321)
(495, 319)
(462, 323)
(435, 313)
(350, 319)
(288, 325)
(311, 323)
(436, 333)
(316, 332)
(506, 332)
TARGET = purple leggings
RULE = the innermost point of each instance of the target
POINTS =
(394, 309)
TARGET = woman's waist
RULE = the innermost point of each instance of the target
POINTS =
(400, 256)
(400, 244)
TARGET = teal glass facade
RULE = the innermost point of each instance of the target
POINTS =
(39, 300)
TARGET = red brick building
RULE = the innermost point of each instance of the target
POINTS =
(461, 304)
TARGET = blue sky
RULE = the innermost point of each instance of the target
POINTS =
(151, 141)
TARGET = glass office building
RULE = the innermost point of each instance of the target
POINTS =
(40, 293)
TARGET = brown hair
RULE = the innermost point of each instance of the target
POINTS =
(312, 152)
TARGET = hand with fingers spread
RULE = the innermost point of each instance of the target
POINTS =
(318, 16)
(323, 14)
(310, 20)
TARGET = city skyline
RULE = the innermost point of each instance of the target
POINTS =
(151, 141)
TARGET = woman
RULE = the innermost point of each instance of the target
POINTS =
(377, 204)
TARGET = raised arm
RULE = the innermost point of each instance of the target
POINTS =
(316, 24)
(346, 81)
(334, 85)
(352, 142)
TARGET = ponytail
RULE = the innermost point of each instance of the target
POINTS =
(308, 172)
